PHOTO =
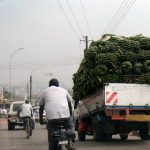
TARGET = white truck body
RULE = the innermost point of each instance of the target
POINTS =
(116, 95)
(127, 94)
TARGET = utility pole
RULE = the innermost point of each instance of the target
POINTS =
(27, 91)
(3, 97)
(31, 83)
(86, 40)
(3, 93)
(30, 88)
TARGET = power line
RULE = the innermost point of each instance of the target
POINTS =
(57, 59)
(68, 20)
(123, 4)
(123, 16)
(86, 20)
(42, 66)
(74, 17)
(56, 63)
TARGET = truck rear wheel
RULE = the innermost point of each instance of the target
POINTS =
(107, 137)
(144, 134)
(98, 133)
(123, 137)
(81, 136)
(11, 127)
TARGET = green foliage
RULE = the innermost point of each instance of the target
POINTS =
(113, 59)
(126, 67)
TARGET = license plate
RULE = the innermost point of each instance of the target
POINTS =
(63, 142)
(19, 120)
(13, 120)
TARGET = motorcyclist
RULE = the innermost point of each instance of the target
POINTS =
(25, 112)
(58, 106)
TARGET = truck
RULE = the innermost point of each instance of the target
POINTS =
(116, 108)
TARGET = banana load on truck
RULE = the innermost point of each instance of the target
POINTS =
(118, 66)
(113, 59)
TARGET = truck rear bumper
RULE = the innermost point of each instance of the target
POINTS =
(139, 118)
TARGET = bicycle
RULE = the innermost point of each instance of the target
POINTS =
(28, 127)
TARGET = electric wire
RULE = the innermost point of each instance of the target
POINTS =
(41, 66)
(74, 19)
(86, 20)
(51, 60)
(77, 24)
(69, 22)
(122, 16)
(58, 61)
(123, 4)
(119, 16)
(51, 63)
(15, 69)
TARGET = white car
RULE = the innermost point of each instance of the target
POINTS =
(36, 114)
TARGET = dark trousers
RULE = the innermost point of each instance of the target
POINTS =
(24, 119)
(53, 129)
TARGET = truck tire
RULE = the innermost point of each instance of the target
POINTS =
(123, 137)
(98, 133)
(81, 136)
(11, 127)
(144, 132)
(33, 125)
(108, 131)
(107, 137)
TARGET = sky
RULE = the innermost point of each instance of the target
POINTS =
(51, 35)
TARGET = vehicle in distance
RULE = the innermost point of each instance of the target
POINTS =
(13, 119)
(36, 114)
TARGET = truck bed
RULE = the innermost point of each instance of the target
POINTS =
(118, 99)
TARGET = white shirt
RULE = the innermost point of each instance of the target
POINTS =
(55, 99)
(26, 110)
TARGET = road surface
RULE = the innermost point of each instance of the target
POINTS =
(16, 140)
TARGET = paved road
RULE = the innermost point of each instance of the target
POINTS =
(15, 140)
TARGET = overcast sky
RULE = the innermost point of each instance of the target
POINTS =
(50, 33)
